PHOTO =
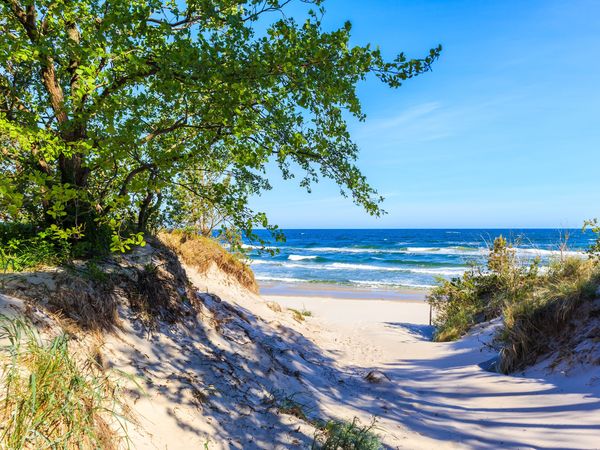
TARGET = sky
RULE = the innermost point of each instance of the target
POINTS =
(503, 133)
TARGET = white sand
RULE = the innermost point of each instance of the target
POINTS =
(439, 391)
(216, 379)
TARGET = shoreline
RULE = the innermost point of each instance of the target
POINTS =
(341, 292)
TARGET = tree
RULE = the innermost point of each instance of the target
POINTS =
(207, 203)
(104, 103)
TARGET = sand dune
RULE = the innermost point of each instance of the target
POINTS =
(221, 378)
(429, 395)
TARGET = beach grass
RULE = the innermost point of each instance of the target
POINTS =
(347, 435)
(535, 305)
(48, 399)
(200, 252)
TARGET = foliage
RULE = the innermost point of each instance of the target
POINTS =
(479, 295)
(106, 107)
(335, 435)
(594, 226)
(536, 307)
(21, 249)
(48, 399)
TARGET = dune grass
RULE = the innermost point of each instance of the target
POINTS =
(50, 400)
(536, 306)
(534, 325)
(481, 293)
(298, 315)
(200, 252)
(346, 435)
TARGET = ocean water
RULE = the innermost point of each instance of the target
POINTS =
(393, 258)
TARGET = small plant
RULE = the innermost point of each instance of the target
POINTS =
(95, 273)
(336, 435)
(594, 226)
(50, 400)
(287, 404)
(300, 315)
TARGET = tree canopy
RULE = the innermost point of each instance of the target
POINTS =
(104, 105)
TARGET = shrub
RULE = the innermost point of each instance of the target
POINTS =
(18, 254)
(336, 435)
(479, 294)
(48, 399)
(23, 247)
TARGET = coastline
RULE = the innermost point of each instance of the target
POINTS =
(340, 292)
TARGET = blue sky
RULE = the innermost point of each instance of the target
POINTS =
(505, 132)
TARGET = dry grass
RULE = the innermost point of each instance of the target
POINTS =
(200, 252)
(298, 315)
(274, 306)
(155, 294)
(50, 400)
(536, 325)
(91, 304)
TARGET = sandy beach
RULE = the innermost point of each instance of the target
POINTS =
(439, 391)
(225, 376)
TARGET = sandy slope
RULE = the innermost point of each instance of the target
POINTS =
(219, 378)
(430, 396)
(439, 390)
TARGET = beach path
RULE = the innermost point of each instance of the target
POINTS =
(437, 395)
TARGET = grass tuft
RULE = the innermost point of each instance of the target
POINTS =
(336, 435)
(287, 404)
(48, 399)
(298, 315)
(200, 252)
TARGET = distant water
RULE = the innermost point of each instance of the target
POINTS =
(396, 258)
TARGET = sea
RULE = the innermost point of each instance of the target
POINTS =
(397, 258)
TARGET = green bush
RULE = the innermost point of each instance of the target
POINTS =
(479, 295)
(23, 247)
(336, 435)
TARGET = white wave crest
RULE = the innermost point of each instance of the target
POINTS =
(442, 271)
(282, 279)
(301, 257)
(388, 284)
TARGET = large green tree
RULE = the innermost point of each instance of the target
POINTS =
(104, 103)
